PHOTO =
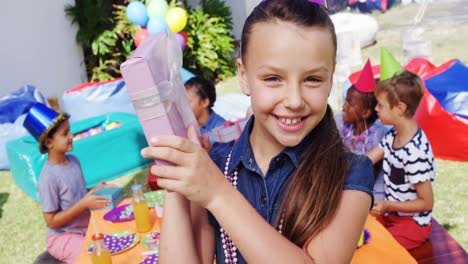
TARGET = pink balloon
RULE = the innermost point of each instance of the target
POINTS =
(139, 36)
(184, 35)
(181, 40)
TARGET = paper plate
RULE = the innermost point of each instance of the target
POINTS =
(120, 214)
(146, 241)
(155, 198)
(118, 242)
(151, 259)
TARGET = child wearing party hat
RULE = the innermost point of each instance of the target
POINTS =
(65, 201)
(408, 161)
(359, 127)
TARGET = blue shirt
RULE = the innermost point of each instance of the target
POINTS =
(214, 120)
(265, 194)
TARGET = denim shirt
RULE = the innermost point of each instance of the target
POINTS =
(213, 121)
(266, 192)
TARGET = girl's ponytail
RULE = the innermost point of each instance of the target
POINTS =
(315, 190)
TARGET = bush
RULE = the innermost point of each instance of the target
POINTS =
(106, 36)
(208, 51)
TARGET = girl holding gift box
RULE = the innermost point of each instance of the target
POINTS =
(290, 193)
(64, 199)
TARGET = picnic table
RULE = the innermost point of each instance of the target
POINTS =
(381, 248)
(132, 255)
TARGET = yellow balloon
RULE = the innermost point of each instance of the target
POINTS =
(176, 19)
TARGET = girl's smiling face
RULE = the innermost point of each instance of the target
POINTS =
(287, 70)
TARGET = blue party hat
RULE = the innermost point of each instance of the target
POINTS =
(40, 120)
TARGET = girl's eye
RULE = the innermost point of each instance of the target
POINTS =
(312, 79)
(271, 79)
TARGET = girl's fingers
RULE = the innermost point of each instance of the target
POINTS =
(168, 172)
(193, 135)
(175, 142)
(166, 153)
(168, 184)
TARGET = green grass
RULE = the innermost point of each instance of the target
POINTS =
(22, 228)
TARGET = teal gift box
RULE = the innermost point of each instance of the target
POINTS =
(114, 195)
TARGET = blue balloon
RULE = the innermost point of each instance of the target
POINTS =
(157, 25)
(137, 14)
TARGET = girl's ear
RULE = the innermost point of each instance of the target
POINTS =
(366, 113)
(242, 77)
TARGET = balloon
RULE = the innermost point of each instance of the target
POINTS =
(176, 19)
(156, 25)
(136, 13)
(184, 35)
(139, 36)
(157, 8)
(181, 40)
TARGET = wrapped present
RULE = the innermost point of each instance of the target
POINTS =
(231, 130)
(114, 195)
(154, 83)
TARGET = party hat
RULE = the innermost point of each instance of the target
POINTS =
(366, 82)
(320, 2)
(388, 65)
(40, 120)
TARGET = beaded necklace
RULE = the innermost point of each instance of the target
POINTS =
(230, 249)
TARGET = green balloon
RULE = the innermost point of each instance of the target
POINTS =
(157, 8)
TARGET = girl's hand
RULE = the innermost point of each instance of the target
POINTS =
(193, 175)
(379, 208)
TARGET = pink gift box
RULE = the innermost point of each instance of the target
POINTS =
(154, 83)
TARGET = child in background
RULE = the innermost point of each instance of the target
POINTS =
(64, 199)
(290, 192)
(202, 95)
(408, 162)
(358, 125)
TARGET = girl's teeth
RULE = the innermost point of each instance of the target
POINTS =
(289, 121)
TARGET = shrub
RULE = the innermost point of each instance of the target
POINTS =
(106, 36)
(208, 51)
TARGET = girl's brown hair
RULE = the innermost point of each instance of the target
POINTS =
(314, 191)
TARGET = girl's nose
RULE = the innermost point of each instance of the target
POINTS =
(294, 99)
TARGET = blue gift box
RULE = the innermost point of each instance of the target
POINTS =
(115, 195)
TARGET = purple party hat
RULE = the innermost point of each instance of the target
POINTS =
(320, 2)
